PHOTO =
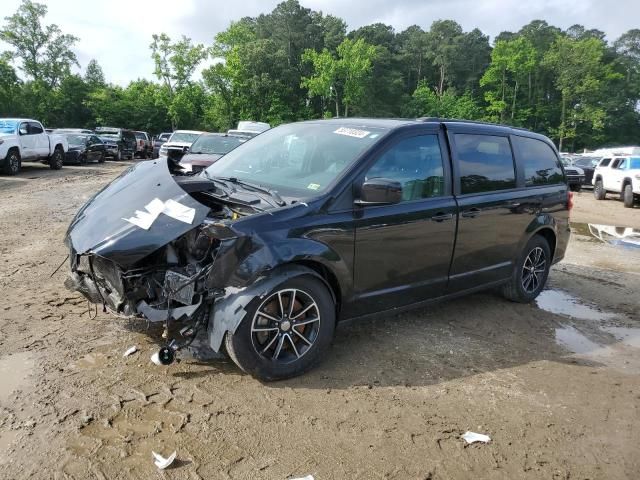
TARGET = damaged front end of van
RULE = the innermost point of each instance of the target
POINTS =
(164, 247)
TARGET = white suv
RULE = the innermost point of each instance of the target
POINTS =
(618, 174)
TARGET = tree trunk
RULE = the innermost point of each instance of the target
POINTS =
(513, 104)
(562, 118)
(504, 81)
(346, 109)
(441, 87)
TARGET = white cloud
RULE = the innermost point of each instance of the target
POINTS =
(117, 33)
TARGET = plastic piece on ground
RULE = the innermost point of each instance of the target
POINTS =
(472, 437)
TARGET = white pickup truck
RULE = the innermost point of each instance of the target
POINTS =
(23, 140)
(618, 174)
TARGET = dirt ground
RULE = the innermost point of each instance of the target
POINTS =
(559, 395)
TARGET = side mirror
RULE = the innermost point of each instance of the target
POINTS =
(23, 131)
(380, 191)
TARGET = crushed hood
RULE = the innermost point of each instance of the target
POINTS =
(99, 226)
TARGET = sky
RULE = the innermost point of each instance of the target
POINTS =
(117, 33)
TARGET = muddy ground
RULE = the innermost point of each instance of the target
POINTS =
(559, 395)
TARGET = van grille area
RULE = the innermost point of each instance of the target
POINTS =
(571, 172)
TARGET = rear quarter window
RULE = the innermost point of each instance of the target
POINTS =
(539, 162)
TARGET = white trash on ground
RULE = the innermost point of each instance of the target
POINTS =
(471, 437)
(162, 462)
(155, 358)
(308, 477)
(130, 351)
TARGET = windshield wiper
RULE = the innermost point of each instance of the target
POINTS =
(219, 181)
(272, 193)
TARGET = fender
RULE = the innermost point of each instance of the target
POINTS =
(545, 221)
(227, 312)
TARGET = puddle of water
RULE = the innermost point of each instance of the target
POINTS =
(14, 372)
(627, 335)
(574, 340)
(625, 237)
(561, 303)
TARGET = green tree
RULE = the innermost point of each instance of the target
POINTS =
(94, 75)
(580, 75)
(427, 103)
(43, 50)
(343, 77)
(512, 63)
(10, 89)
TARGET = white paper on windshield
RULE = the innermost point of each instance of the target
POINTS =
(179, 212)
(352, 132)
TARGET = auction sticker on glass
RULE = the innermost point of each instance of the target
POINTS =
(352, 132)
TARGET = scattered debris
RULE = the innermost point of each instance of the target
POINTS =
(308, 477)
(155, 358)
(472, 437)
(162, 462)
(130, 351)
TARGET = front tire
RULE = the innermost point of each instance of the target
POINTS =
(575, 187)
(598, 190)
(284, 333)
(627, 196)
(57, 159)
(12, 163)
(530, 273)
(102, 158)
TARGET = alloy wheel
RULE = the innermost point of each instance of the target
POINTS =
(533, 270)
(14, 163)
(285, 326)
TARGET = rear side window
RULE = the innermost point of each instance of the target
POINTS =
(485, 162)
(540, 163)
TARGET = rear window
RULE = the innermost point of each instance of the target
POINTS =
(539, 161)
(486, 163)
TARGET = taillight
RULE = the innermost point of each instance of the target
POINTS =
(570, 200)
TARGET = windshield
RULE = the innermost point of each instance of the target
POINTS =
(112, 135)
(77, 139)
(183, 137)
(587, 162)
(8, 126)
(164, 137)
(216, 144)
(140, 136)
(106, 139)
(300, 159)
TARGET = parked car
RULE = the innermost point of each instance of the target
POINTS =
(178, 144)
(588, 166)
(619, 175)
(84, 148)
(317, 221)
(208, 148)
(25, 140)
(143, 144)
(250, 128)
(111, 147)
(73, 130)
(575, 175)
(158, 142)
(125, 139)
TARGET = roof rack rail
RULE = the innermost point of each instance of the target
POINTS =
(474, 122)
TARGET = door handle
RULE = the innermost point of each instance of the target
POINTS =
(471, 213)
(440, 217)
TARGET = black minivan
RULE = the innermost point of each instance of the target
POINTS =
(313, 222)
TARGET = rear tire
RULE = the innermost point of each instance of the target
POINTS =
(284, 344)
(530, 273)
(627, 197)
(12, 163)
(598, 190)
(57, 159)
